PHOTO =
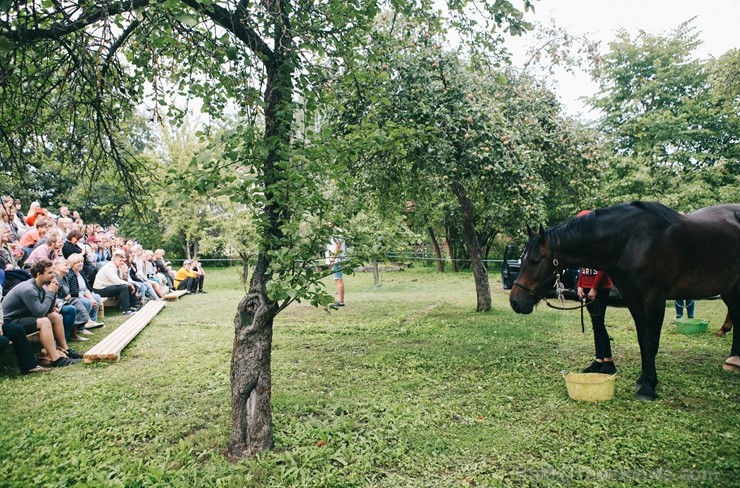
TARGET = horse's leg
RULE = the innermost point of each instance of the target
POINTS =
(649, 322)
(726, 327)
(732, 300)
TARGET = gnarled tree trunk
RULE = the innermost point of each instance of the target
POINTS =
(251, 383)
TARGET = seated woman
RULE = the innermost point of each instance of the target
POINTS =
(79, 287)
(10, 253)
(139, 270)
(80, 320)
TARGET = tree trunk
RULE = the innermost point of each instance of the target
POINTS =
(251, 386)
(376, 274)
(480, 273)
(437, 251)
(451, 245)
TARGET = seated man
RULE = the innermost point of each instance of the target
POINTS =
(200, 279)
(13, 331)
(49, 250)
(108, 283)
(186, 278)
(32, 303)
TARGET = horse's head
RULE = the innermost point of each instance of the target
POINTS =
(537, 272)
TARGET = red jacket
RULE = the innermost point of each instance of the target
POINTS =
(594, 279)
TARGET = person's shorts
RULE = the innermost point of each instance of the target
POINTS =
(337, 268)
(29, 324)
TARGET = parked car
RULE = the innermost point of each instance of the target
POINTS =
(510, 267)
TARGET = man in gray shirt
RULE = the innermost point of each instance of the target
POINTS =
(13, 331)
(32, 303)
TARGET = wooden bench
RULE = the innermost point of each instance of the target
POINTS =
(109, 349)
(174, 295)
(32, 337)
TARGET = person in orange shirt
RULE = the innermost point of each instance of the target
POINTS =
(595, 286)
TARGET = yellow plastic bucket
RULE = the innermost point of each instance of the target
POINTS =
(590, 387)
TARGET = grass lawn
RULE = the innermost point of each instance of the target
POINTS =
(406, 386)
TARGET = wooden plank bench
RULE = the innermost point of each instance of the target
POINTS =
(174, 295)
(32, 337)
(109, 349)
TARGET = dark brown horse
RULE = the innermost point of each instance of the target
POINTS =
(652, 254)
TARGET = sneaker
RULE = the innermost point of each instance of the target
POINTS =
(84, 332)
(202, 291)
(62, 362)
(595, 367)
(608, 367)
(339, 304)
(128, 312)
(71, 353)
(78, 339)
(94, 325)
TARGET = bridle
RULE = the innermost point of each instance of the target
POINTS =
(533, 291)
(559, 287)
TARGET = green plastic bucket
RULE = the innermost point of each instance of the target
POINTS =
(691, 326)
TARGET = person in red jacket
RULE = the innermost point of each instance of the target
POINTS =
(595, 286)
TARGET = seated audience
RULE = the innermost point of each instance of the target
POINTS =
(108, 283)
(32, 304)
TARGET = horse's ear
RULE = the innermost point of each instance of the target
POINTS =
(530, 232)
(542, 234)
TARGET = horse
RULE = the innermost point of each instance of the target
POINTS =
(652, 254)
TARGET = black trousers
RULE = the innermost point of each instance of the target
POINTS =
(14, 331)
(597, 311)
(122, 292)
(189, 284)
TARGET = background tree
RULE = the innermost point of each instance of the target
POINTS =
(434, 125)
(670, 119)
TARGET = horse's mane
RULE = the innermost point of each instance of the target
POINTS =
(586, 223)
(665, 213)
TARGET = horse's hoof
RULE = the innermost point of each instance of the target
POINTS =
(646, 393)
(640, 381)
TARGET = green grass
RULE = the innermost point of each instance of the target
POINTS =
(406, 386)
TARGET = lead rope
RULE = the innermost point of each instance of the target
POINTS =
(559, 289)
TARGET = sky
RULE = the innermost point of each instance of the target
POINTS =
(716, 22)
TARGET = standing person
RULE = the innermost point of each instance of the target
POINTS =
(32, 303)
(336, 252)
(688, 304)
(595, 286)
